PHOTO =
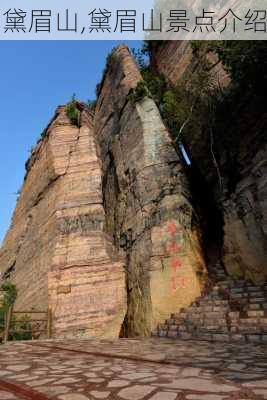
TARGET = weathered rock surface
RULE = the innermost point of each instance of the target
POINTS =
(245, 222)
(146, 199)
(58, 252)
(241, 155)
(175, 60)
(104, 232)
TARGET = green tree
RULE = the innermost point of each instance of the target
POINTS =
(246, 61)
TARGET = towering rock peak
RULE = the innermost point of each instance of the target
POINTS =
(120, 76)
(104, 232)
(146, 200)
(56, 251)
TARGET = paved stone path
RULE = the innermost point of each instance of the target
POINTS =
(152, 369)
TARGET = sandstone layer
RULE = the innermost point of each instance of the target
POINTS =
(146, 199)
(56, 250)
(241, 154)
(176, 61)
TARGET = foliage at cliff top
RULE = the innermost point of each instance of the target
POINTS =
(184, 106)
(72, 111)
(245, 61)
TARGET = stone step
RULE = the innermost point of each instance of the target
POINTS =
(234, 314)
(233, 310)
(195, 318)
(172, 334)
(249, 329)
(253, 295)
(162, 333)
(212, 311)
(248, 321)
(236, 290)
(256, 313)
(185, 335)
(256, 288)
(213, 303)
(170, 321)
(163, 327)
(239, 295)
(173, 327)
(257, 300)
(255, 306)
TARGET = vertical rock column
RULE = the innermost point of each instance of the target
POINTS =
(146, 199)
(61, 256)
(86, 282)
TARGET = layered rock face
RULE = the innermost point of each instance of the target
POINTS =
(175, 60)
(146, 200)
(104, 231)
(242, 199)
(56, 250)
(245, 217)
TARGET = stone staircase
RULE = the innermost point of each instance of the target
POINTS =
(233, 311)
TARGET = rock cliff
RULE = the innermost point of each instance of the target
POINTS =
(241, 153)
(104, 232)
(147, 200)
(176, 61)
(56, 250)
(108, 230)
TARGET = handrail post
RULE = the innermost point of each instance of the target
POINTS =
(8, 323)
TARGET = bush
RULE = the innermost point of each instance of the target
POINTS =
(246, 61)
(139, 93)
(72, 112)
(185, 106)
(156, 84)
(23, 324)
(175, 108)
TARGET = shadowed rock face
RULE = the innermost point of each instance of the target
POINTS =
(243, 207)
(60, 255)
(146, 199)
(245, 220)
(175, 60)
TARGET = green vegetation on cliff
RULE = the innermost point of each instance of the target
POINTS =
(72, 112)
(246, 61)
(184, 106)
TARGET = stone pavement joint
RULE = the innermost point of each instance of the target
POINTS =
(132, 369)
